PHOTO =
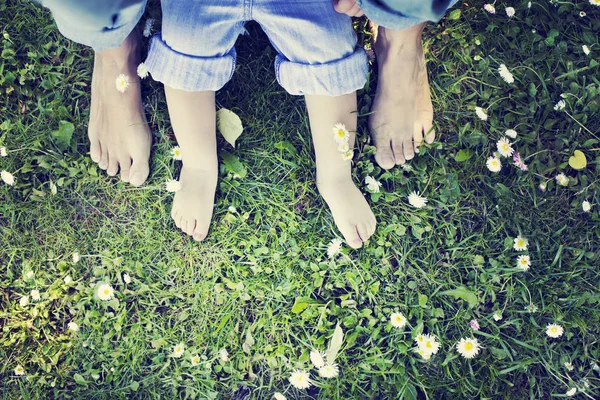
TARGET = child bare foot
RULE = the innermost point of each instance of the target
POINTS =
(402, 113)
(350, 210)
(193, 118)
(118, 131)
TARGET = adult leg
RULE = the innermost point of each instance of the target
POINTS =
(117, 129)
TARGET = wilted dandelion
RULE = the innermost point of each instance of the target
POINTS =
(569, 366)
(224, 354)
(511, 133)
(505, 74)
(586, 206)
(24, 301)
(510, 11)
(573, 390)
(7, 178)
(35, 295)
(586, 50)
(76, 257)
(334, 247)
(279, 396)
(3, 152)
(67, 279)
(519, 162)
(72, 326)
(489, 8)
(474, 324)
(497, 316)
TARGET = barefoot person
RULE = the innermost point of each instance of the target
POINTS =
(402, 113)
(119, 135)
(194, 56)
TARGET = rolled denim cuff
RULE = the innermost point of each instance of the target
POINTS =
(389, 18)
(334, 78)
(98, 40)
(187, 72)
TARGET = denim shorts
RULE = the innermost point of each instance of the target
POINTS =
(401, 14)
(100, 24)
(317, 47)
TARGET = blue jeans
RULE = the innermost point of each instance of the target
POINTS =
(401, 14)
(100, 24)
(317, 47)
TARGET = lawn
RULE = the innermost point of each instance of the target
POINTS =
(254, 299)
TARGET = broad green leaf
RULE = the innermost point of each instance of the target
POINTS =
(62, 136)
(423, 300)
(335, 344)
(464, 155)
(464, 294)
(229, 124)
(578, 160)
(454, 15)
(79, 379)
(135, 385)
(233, 164)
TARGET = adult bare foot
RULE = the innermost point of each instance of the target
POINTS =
(193, 118)
(118, 131)
(402, 113)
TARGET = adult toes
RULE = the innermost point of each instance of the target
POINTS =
(363, 231)
(95, 150)
(418, 137)
(429, 133)
(113, 166)
(352, 237)
(201, 230)
(398, 153)
(125, 165)
(189, 227)
(103, 163)
(408, 149)
(139, 172)
(384, 156)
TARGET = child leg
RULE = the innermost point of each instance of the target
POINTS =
(194, 57)
(350, 210)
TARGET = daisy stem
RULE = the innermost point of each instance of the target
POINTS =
(581, 125)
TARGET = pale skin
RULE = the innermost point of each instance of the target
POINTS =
(402, 113)
(193, 119)
(119, 135)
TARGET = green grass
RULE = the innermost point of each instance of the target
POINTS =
(265, 262)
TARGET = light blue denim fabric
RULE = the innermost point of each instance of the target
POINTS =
(401, 14)
(317, 52)
(100, 24)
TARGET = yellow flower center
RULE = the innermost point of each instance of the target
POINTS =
(299, 377)
(341, 133)
(469, 346)
(429, 345)
(398, 318)
(106, 291)
(520, 243)
(553, 329)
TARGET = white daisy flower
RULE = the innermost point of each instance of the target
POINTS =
(493, 164)
(334, 247)
(372, 184)
(224, 354)
(398, 320)
(523, 262)
(497, 316)
(176, 153)
(510, 11)
(416, 200)
(19, 370)
(126, 278)
(560, 105)
(3, 152)
(316, 357)
(562, 179)
(142, 71)
(554, 330)
(105, 291)
(67, 279)
(571, 392)
(430, 345)
(7, 177)
(468, 347)
(72, 326)
(511, 133)
(521, 243)
(343, 147)
(173, 185)
(489, 8)
(148, 27)
(504, 147)
(505, 74)
(178, 350)
(340, 133)
(329, 371)
(29, 275)
(278, 396)
(75, 257)
(35, 295)
(481, 113)
(586, 206)
(122, 83)
(195, 359)
(300, 379)
(529, 5)
(586, 50)
(348, 156)
(24, 301)
(569, 366)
